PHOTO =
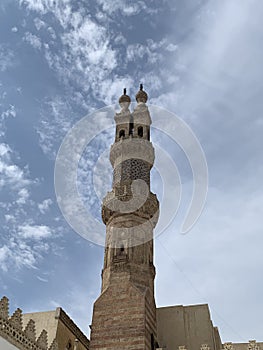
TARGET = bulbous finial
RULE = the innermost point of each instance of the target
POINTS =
(124, 100)
(141, 95)
(124, 97)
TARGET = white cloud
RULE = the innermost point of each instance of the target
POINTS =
(42, 279)
(7, 58)
(126, 8)
(37, 5)
(60, 124)
(4, 254)
(60, 8)
(52, 33)
(120, 39)
(39, 23)
(110, 89)
(11, 174)
(35, 232)
(18, 254)
(23, 196)
(87, 59)
(33, 40)
(171, 47)
(10, 218)
(26, 243)
(45, 205)
(114, 6)
(10, 112)
(4, 149)
(14, 29)
(139, 51)
(89, 41)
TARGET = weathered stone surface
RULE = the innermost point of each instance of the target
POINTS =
(124, 316)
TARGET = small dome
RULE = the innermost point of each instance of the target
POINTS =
(141, 95)
(124, 97)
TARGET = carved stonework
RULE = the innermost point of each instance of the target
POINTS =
(204, 347)
(228, 346)
(11, 329)
(16, 319)
(42, 340)
(131, 149)
(4, 308)
(30, 330)
(252, 345)
(149, 209)
(54, 345)
(182, 347)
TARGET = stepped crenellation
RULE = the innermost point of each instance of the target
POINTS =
(11, 329)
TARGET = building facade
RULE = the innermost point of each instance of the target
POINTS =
(50, 330)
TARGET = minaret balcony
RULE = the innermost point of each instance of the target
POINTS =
(131, 148)
(111, 208)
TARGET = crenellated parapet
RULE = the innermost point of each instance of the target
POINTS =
(251, 345)
(205, 347)
(11, 329)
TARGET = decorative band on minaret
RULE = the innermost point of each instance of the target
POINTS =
(124, 314)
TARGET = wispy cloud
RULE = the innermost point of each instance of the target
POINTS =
(45, 205)
(33, 40)
(26, 241)
(126, 8)
(35, 232)
(7, 58)
(12, 174)
(89, 59)
(42, 279)
(23, 196)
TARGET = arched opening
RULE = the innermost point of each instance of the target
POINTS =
(69, 346)
(152, 342)
(140, 131)
(119, 252)
(131, 125)
(131, 128)
(122, 133)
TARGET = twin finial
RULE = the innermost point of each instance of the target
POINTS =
(141, 96)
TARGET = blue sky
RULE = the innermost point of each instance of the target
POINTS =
(61, 60)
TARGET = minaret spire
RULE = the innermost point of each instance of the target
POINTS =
(124, 314)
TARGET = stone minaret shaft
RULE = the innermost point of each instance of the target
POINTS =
(124, 316)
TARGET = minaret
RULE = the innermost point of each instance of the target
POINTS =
(124, 315)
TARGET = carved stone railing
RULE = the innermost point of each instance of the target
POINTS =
(11, 329)
(251, 345)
